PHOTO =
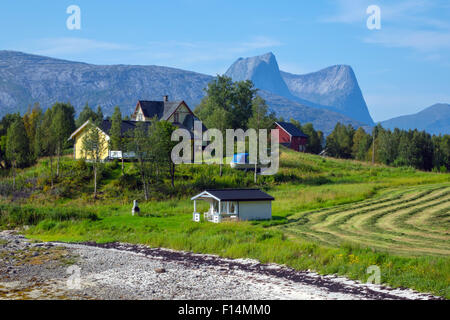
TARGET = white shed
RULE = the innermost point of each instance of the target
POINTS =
(237, 204)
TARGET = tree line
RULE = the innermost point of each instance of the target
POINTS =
(417, 149)
(24, 139)
(237, 105)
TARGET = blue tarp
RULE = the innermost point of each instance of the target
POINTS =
(241, 158)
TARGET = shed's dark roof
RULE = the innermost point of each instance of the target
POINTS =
(292, 130)
(240, 195)
(162, 109)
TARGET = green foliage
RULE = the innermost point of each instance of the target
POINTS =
(63, 124)
(99, 116)
(398, 148)
(18, 145)
(231, 105)
(13, 215)
(116, 132)
(261, 118)
(361, 144)
(340, 141)
(94, 145)
(152, 145)
(86, 114)
(315, 138)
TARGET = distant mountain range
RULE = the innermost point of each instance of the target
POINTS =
(434, 120)
(334, 88)
(323, 98)
(25, 79)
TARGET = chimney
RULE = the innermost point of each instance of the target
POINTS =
(166, 98)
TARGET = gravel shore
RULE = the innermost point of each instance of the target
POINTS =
(31, 270)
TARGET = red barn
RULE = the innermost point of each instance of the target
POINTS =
(291, 136)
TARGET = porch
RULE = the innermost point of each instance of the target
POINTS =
(218, 211)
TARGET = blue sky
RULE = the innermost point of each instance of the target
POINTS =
(401, 69)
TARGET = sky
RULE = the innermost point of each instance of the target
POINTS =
(402, 67)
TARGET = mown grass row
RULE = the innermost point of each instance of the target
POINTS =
(365, 229)
(360, 223)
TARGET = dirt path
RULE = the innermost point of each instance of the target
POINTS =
(121, 271)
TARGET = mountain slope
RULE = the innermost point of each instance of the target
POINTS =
(334, 86)
(434, 120)
(263, 71)
(322, 119)
(25, 79)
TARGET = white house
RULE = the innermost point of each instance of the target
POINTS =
(236, 204)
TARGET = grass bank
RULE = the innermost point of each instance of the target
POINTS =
(332, 216)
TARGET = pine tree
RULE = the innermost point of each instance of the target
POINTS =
(314, 142)
(63, 124)
(86, 114)
(17, 147)
(99, 116)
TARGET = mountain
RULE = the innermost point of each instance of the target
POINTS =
(263, 71)
(434, 120)
(26, 79)
(335, 88)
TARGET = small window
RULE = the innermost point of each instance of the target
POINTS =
(233, 207)
(176, 117)
(224, 207)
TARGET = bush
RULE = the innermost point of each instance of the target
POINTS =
(128, 182)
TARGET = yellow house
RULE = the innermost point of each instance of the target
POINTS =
(78, 137)
(177, 112)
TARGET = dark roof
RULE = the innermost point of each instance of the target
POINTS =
(126, 126)
(240, 194)
(292, 130)
(162, 109)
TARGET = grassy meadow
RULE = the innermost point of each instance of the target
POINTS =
(331, 216)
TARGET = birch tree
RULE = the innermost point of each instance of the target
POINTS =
(94, 145)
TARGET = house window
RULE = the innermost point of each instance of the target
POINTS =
(233, 207)
(176, 117)
(224, 207)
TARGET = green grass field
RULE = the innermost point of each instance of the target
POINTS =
(332, 216)
(407, 221)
